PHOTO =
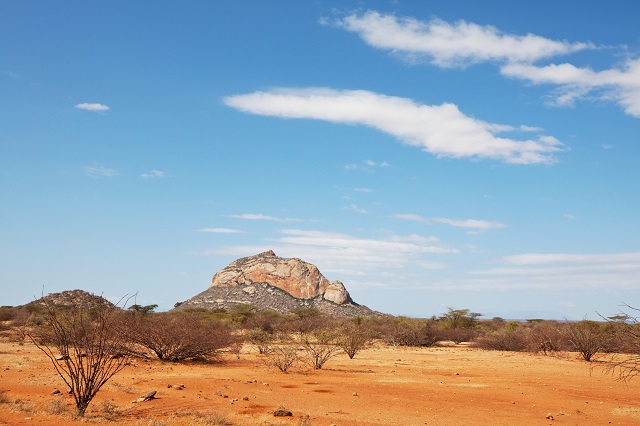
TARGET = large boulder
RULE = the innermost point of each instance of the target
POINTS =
(300, 279)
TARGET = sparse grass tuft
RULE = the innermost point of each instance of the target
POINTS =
(56, 407)
(109, 410)
(305, 420)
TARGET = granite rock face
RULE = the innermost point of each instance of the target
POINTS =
(300, 279)
(269, 282)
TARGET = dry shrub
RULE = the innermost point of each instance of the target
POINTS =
(546, 337)
(283, 357)
(626, 364)
(403, 331)
(354, 337)
(85, 347)
(587, 338)
(320, 346)
(507, 339)
(458, 335)
(178, 337)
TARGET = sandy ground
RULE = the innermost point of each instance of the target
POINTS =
(381, 386)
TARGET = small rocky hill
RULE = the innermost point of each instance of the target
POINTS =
(279, 284)
(71, 299)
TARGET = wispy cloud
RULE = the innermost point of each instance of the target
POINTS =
(568, 216)
(619, 84)
(367, 165)
(99, 171)
(252, 216)
(587, 259)
(442, 130)
(452, 45)
(481, 225)
(221, 230)
(562, 271)
(347, 254)
(93, 107)
(153, 174)
(365, 190)
(355, 208)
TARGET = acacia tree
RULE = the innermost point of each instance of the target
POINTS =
(85, 347)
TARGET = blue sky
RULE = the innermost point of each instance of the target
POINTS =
(428, 154)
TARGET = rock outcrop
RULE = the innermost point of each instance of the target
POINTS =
(72, 299)
(300, 279)
(269, 282)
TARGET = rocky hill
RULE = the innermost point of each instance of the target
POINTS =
(279, 284)
(71, 299)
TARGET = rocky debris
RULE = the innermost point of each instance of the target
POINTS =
(56, 392)
(282, 413)
(267, 297)
(146, 397)
(262, 281)
(176, 387)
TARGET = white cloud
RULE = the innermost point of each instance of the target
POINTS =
(365, 190)
(355, 208)
(463, 43)
(587, 259)
(367, 165)
(93, 107)
(99, 171)
(562, 271)
(221, 230)
(469, 223)
(451, 45)
(347, 254)
(481, 225)
(153, 174)
(442, 130)
(568, 216)
(251, 216)
(621, 85)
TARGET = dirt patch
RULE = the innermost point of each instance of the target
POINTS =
(402, 386)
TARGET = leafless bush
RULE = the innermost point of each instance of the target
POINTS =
(458, 335)
(320, 346)
(545, 337)
(178, 337)
(353, 337)
(85, 348)
(587, 338)
(261, 339)
(627, 364)
(283, 357)
(507, 339)
(403, 331)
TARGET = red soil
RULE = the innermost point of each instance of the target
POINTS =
(381, 386)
